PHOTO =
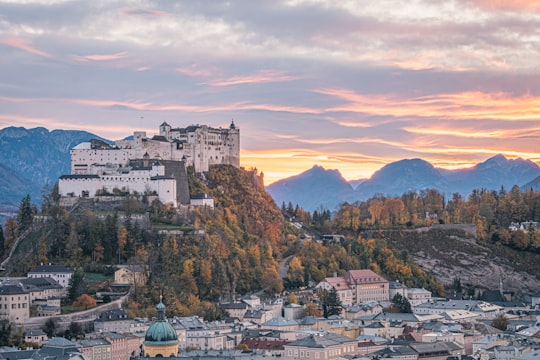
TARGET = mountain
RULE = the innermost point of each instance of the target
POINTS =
(311, 189)
(400, 177)
(33, 159)
(318, 186)
(534, 185)
(492, 174)
(357, 182)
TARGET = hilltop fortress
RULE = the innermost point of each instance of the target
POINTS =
(154, 165)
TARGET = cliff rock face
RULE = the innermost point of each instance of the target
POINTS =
(32, 159)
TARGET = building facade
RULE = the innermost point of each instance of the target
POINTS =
(59, 273)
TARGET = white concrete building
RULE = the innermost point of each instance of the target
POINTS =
(59, 273)
(417, 296)
(108, 179)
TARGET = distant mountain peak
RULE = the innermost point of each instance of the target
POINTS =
(318, 185)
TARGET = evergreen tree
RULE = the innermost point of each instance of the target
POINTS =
(330, 302)
(401, 303)
(50, 327)
(5, 334)
(25, 215)
(76, 285)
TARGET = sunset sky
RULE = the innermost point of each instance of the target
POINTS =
(348, 85)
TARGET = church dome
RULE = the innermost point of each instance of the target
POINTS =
(161, 332)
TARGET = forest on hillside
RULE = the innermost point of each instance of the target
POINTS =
(199, 257)
(492, 213)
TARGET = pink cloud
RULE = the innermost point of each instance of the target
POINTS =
(23, 44)
(101, 57)
(263, 76)
(506, 5)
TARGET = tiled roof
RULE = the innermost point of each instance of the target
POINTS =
(322, 341)
(51, 269)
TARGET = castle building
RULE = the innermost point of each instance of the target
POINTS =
(152, 166)
(358, 286)
(160, 339)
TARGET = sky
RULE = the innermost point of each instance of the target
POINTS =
(348, 85)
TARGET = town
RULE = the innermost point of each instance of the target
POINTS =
(366, 319)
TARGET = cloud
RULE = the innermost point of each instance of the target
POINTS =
(262, 76)
(23, 44)
(145, 12)
(102, 57)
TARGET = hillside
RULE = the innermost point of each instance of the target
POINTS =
(198, 256)
(450, 254)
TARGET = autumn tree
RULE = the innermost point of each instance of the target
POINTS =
(311, 309)
(84, 301)
(10, 232)
(500, 322)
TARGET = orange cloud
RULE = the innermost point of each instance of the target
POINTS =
(23, 44)
(466, 105)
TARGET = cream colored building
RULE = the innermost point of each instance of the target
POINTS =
(130, 274)
(339, 284)
(14, 304)
(418, 296)
(358, 286)
(321, 346)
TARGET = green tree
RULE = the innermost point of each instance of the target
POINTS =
(25, 215)
(401, 303)
(50, 327)
(457, 284)
(77, 286)
(330, 302)
(5, 334)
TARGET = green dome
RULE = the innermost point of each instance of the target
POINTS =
(161, 332)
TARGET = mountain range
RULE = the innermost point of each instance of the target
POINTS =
(32, 160)
(318, 188)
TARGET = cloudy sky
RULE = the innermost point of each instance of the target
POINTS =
(348, 85)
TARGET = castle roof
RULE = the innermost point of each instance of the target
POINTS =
(113, 315)
(364, 276)
(79, 176)
(45, 269)
(160, 138)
